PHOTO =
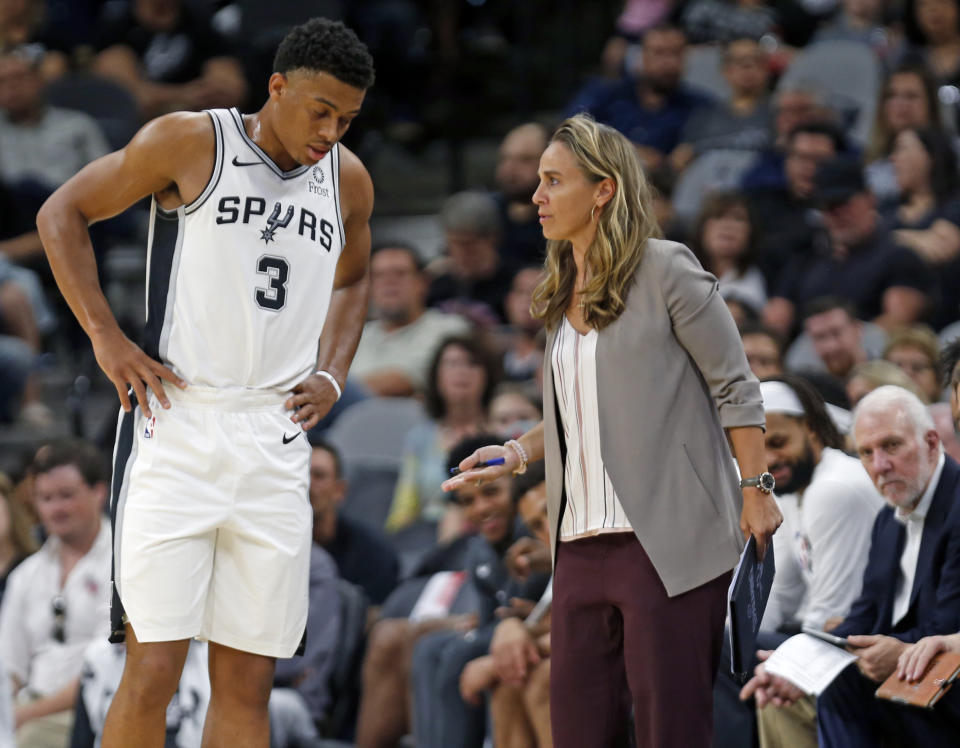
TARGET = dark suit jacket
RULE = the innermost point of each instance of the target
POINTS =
(935, 598)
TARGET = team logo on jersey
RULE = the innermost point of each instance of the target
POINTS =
(274, 222)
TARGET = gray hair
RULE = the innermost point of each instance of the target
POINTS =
(472, 212)
(888, 397)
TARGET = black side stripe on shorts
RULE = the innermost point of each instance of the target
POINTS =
(121, 455)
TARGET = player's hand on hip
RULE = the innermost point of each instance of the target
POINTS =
(311, 400)
(759, 517)
(127, 366)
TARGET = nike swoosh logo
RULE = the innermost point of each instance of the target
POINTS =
(288, 439)
(235, 162)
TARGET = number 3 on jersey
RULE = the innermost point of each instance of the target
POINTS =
(274, 296)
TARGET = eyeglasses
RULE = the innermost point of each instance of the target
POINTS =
(59, 607)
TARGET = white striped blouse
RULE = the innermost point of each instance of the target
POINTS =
(592, 504)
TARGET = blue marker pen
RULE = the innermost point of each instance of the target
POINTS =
(483, 464)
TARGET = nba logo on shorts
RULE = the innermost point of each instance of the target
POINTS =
(148, 430)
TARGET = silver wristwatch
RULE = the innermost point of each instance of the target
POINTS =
(764, 482)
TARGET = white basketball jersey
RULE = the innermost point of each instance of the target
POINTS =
(239, 281)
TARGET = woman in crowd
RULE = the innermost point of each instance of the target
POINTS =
(927, 217)
(909, 99)
(867, 376)
(644, 373)
(725, 242)
(15, 541)
(933, 29)
(460, 385)
(916, 351)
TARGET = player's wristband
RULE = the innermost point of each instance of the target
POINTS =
(330, 377)
(521, 453)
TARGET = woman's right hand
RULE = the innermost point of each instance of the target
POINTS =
(471, 474)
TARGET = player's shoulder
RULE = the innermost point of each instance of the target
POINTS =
(183, 133)
(356, 185)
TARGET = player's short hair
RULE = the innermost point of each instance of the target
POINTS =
(326, 46)
(82, 455)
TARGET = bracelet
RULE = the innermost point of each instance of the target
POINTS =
(521, 453)
(329, 376)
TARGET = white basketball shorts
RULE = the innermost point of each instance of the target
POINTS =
(212, 520)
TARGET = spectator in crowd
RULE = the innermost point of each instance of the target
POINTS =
(787, 220)
(517, 668)
(524, 348)
(441, 717)
(461, 382)
(916, 351)
(867, 376)
(362, 554)
(836, 334)
(398, 344)
(764, 349)
(740, 123)
(512, 412)
(908, 99)
(15, 543)
(474, 279)
(56, 601)
(795, 103)
(650, 105)
(387, 685)
(725, 241)
(522, 241)
(927, 218)
(20, 22)
(950, 366)
(822, 548)
(169, 56)
(42, 146)
(707, 21)
(19, 346)
(888, 284)
(932, 27)
(908, 584)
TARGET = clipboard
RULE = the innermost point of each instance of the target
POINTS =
(746, 602)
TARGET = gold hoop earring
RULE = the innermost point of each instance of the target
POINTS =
(593, 210)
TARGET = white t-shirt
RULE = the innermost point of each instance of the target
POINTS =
(826, 539)
(28, 647)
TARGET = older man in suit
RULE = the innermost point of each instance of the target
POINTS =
(911, 585)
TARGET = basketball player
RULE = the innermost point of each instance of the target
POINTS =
(257, 290)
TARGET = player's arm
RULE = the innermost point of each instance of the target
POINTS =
(154, 161)
(314, 396)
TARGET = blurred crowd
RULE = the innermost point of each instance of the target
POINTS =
(806, 150)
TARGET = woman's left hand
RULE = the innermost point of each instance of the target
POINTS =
(759, 517)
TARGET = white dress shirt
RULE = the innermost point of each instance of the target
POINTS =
(911, 547)
(592, 504)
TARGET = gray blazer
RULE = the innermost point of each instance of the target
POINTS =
(671, 375)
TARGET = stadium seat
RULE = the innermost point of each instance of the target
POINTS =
(711, 171)
(370, 490)
(371, 432)
(849, 72)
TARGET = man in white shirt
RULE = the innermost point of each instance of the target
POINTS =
(57, 601)
(910, 584)
(398, 345)
(822, 553)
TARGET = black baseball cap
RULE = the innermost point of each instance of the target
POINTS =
(837, 180)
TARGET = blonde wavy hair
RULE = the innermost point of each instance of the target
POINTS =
(623, 227)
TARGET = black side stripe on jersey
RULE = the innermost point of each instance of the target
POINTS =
(165, 238)
(217, 166)
(124, 454)
(261, 154)
(335, 173)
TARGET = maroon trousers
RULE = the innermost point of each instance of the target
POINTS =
(617, 640)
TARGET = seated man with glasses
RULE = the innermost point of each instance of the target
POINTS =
(56, 601)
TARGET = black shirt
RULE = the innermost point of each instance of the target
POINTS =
(365, 558)
(177, 56)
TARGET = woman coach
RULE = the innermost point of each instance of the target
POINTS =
(644, 373)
